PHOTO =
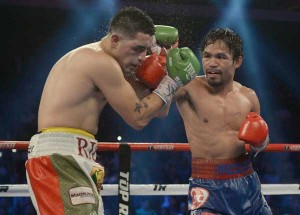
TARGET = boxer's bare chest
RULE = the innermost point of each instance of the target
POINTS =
(219, 111)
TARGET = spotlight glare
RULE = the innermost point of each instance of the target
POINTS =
(119, 138)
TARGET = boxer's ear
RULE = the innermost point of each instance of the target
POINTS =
(238, 62)
(115, 39)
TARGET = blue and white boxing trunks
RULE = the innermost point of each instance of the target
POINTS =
(228, 187)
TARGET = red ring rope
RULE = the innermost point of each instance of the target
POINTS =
(114, 146)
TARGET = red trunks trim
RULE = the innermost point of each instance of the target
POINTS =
(221, 169)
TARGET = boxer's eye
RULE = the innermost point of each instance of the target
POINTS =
(139, 49)
(206, 55)
(221, 56)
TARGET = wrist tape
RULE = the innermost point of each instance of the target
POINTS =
(262, 147)
(166, 89)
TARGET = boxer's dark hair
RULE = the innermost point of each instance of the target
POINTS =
(228, 36)
(130, 21)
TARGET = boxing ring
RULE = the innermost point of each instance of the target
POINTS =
(125, 189)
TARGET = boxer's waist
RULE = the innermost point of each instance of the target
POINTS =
(221, 169)
(68, 130)
(65, 141)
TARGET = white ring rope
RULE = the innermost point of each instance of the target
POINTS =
(21, 190)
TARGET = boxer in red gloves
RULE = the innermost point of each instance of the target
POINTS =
(220, 115)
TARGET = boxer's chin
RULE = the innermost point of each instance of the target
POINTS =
(214, 82)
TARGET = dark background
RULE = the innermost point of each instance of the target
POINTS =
(35, 34)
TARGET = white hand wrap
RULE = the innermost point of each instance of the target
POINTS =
(262, 147)
(166, 89)
(155, 49)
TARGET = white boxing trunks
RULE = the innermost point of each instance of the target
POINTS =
(62, 174)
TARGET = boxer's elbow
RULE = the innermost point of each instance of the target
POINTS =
(138, 128)
(162, 115)
(139, 123)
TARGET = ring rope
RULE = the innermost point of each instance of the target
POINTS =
(114, 146)
(21, 190)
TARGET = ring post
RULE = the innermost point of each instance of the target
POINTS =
(124, 178)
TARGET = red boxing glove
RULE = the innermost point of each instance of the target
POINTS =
(162, 57)
(162, 60)
(151, 71)
(254, 131)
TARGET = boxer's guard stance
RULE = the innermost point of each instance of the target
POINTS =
(219, 116)
(62, 174)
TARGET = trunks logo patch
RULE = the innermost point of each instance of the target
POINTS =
(82, 195)
(199, 197)
(97, 174)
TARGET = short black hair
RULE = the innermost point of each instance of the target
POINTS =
(130, 20)
(228, 36)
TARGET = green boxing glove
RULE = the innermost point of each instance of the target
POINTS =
(183, 66)
(165, 35)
